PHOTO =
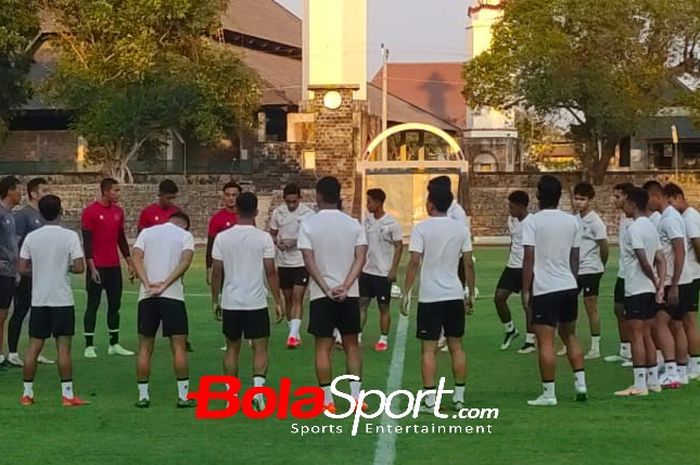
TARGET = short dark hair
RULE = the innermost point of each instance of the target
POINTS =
(623, 186)
(673, 190)
(441, 181)
(639, 197)
(50, 207)
(33, 185)
(7, 184)
(291, 189)
(377, 194)
(653, 186)
(183, 216)
(329, 189)
(440, 197)
(549, 191)
(519, 198)
(167, 187)
(246, 204)
(584, 189)
(107, 184)
(232, 184)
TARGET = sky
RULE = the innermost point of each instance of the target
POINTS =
(413, 30)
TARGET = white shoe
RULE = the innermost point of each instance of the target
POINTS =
(668, 382)
(543, 401)
(45, 361)
(90, 352)
(259, 403)
(693, 375)
(561, 352)
(614, 358)
(654, 388)
(627, 363)
(425, 408)
(685, 380)
(223, 349)
(13, 359)
(592, 354)
(632, 392)
(117, 349)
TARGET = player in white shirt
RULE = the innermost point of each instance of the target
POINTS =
(624, 354)
(692, 222)
(552, 240)
(243, 257)
(436, 247)
(644, 290)
(384, 250)
(334, 247)
(49, 254)
(594, 257)
(511, 280)
(293, 277)
(162, 254)
(670, 335)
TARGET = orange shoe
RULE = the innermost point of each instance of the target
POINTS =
(330, 408)
(381, 346)
(293, 342)
(26, 400)
(74, 402)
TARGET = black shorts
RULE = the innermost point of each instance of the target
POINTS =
(291, 277)
(694, 296)
(23, 293)
(511, 280)
(433, 317)
(7, 291)
(46, 322)
(640, 306)
(620, 291)
(554, 308)
(251, 324)
(326, 314)
(589, 284)
(372, 286)
(170, 312)
(685, 301)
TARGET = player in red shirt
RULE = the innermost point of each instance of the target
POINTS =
(160, 211)
(222, 220)
(103, 236)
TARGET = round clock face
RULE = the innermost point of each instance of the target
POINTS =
(332, 100)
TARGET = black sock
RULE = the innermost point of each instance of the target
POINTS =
(113, 337)
(89, 340)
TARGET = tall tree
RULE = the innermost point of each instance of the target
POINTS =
(604, 64)
(19, 25)
(132, 69)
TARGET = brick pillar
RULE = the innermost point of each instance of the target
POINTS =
(336, 145)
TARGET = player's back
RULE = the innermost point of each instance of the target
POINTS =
(162, 246)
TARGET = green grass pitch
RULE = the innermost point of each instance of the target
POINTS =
(658, 429)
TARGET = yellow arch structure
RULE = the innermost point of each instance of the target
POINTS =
(454, 146)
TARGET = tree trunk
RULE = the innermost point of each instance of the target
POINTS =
(595, 164)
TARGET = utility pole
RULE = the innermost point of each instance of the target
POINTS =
(385, 90)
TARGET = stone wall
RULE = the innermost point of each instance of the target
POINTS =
(45, 146)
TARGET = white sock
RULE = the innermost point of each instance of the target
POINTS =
(430, 397)
(258, 381)
(509, 326)
(671, 369)
(2, 358)
(29, 389)
(548, 390)
(653, 376)
(183, 387)
(530, 338)
(384, 338)
(595, 343)
(13, 353)
(682, 371)
(580, 380)
(336, 335)
(640, 377)
(327, 394)
(355, 387)
(67, 389)
(143, 391)
(694, 365)
(458, 395)
(625, 350)
(359, 338)
(294, 326)
(659, 357)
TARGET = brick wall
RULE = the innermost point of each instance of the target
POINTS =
(39, 145)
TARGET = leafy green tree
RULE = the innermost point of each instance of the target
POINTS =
(132, 69)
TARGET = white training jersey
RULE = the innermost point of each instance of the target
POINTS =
(672, 226)
(592, 230)
(287, 223)
(381, 235)
(515, 258)
(641, 235)
(624, 224)
(692, 223)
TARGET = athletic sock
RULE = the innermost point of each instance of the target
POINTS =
(653, 375)
(294, 326)
(595, 343)
(143, 390)
(530, 338)
(509, 326)
(259, 380)
(682, 370)
(458, 395)
(67, 388)
(671, 369)
(625, 350)
(359, 338)
(659, 358)
(640, 378)
(29, 389)
(548, 390)
(384, 338)
(89, 340)
(694, 365)
(429, 398)
(113, 337)
(183, 388)
(327, 394)
(355, 388)
(580, 380)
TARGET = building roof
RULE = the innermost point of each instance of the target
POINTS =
(660, 128)
(265, 19)
(281, 76)
(436, 88)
